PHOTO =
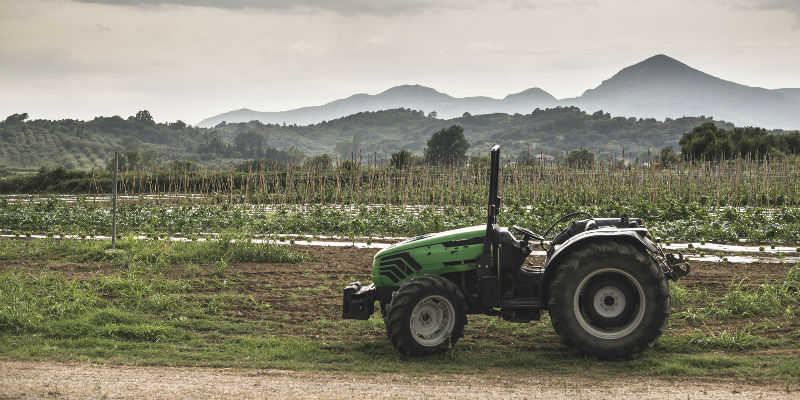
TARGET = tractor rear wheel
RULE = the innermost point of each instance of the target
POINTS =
(426, 315)
(609, 299)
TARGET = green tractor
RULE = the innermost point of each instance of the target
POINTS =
(604, 283)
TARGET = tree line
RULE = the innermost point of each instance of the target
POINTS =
(406, 137)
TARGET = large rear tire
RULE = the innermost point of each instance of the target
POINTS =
(610, 300)
(426, 315)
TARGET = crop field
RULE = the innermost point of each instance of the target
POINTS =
(231, 304)
(187, 287)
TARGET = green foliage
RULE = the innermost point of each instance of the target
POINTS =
(681, 221)
(16, 119)
(90, 144)
(132, 160)
(143, 116)
(184, 166)
(582, 158)
(667, 157)
(740, 339)
(261, 164)
(712, 142)
(447, 146)
(251, 143)
(770, 298)
(401, 159)
(226, 248)
(349, 165)
(320, 162)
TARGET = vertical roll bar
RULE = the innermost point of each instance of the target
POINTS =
(493, 206)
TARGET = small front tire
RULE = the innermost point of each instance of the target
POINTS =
(426, 315)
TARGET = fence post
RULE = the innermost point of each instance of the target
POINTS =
(114, 204)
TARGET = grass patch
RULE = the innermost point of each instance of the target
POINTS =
(739, 339)
(142, 317)
(154, 253)
(770, 298)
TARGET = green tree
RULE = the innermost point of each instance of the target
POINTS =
(447, 146)
(144, 116)
(582, 158)
(401, 159)
(16, 119)
(667, 157)
(707, 141)
(134, 158)
(178, 125)
(294, 155)
(320, 162)
(149, 157)
(250, 143)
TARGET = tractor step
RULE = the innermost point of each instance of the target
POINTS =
(521, 303)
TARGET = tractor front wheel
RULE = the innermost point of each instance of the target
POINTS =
(426, 315)
(609, 299)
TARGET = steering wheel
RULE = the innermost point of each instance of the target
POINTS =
(526, 233)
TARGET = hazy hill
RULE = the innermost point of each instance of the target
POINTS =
(551, 131)
(88, 144)
(658, 87)
(415, 97)
(662, 87)
(792, 94)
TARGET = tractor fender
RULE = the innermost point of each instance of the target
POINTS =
(634, 236)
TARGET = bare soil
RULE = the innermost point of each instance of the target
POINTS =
(38, 380)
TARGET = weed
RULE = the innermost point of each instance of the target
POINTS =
(221, 267)
(740, 339)
(191, 270)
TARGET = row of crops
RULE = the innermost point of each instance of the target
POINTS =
(668, 219)
(741, 182)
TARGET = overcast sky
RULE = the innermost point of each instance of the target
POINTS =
(183, 59)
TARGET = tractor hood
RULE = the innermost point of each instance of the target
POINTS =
(435, 238)
(434, 254)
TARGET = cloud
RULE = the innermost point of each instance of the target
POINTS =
(792, 6)
(339, 6)
(378, 7)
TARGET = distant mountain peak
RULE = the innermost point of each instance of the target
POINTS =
(659, 86)
(411, 90)
(659, 64)
(661, 58)
(533, 92)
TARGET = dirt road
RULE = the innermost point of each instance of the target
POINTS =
(41, 379)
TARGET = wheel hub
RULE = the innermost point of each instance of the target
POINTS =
(609, 302)
(432, 321)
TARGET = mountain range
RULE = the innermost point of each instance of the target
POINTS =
(658, 87)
